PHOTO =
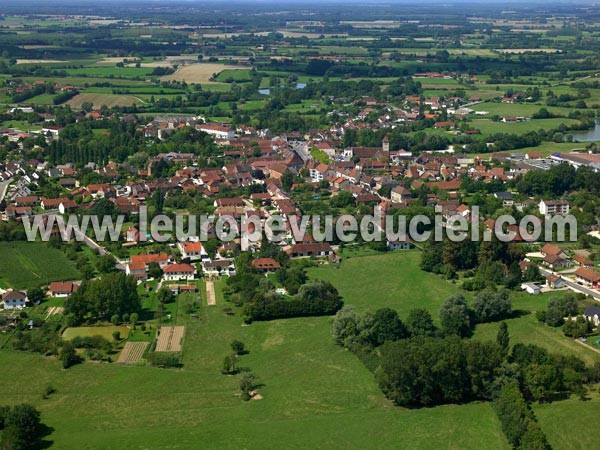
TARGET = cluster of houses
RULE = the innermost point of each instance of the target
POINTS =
(379, 177)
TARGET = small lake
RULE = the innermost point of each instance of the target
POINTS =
(592, 135)
(267, 91)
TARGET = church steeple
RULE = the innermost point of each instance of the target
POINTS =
(385, 145)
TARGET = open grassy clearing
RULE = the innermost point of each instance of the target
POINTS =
(567, 424)
(20, 125)
(545, 148)
(27, 264)
(106, 332)
(42, 99)
(387, 280)
(117, 72)
(516, 109)
(315, 395)
(527, 330)
(490, 127)
(200, 72)
(231, 75)
(86, 81)
(98, 100)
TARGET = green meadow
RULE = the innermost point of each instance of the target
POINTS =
(314, 394)
(27, 264)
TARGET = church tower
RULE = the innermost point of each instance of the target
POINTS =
(385, 146)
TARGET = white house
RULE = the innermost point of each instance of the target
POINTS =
(552, 207)
(179, 272)
(218, 267)
(14, 300)
(192, 250)
(216, 130)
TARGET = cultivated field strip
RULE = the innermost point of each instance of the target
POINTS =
(132, 352)
(169, 339)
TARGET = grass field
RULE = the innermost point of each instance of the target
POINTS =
(200, 73)
(106, 332)
(238, 75)
(527, 330)
(567, 423)
(315, 395)
(117, 72)
(515, 109)
(490, 127)
(389, 279)
(27, 264)
(98, 100)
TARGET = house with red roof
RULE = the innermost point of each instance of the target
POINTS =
(179, 272)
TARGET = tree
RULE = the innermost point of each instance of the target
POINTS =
(133, 319)
(455, 316)
(542, 380)
(229, 364)
(420, 323)
(533, 438)
(160, 311)
(154, 270)
(158, 201)
(114, 319)
(344, 327)
(165, 295)
(238, 347)
(532, 273)
(503, 338)
(68, 356)
(577, 328)
(386, 326)
(490, 306)
(287, 180)
(559, 308)
(113, 294)
(116, 335)
(13, 439)
(248, 385)
(35, 295)
(512, 410)
(106, 263)
(25, 418)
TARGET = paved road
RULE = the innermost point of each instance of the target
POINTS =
(574, 286)
(90, 242)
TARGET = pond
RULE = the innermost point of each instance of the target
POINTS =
(592, 135)
(267, 91)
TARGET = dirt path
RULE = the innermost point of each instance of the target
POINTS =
(210, 293)
(588, 346)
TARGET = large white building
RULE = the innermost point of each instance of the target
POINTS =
(553, 207)
(179, 272)
(216, 130)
